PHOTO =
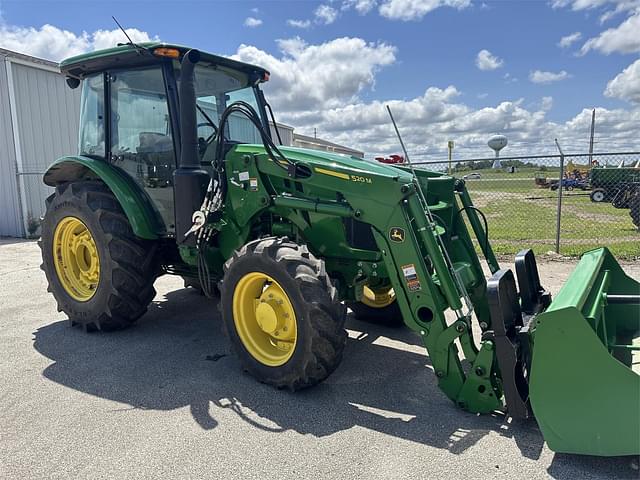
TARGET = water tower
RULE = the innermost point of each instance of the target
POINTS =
(497, 143)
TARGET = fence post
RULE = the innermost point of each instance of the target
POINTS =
(559, 210)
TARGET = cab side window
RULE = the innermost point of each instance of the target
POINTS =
(91, 141)
(141, 137)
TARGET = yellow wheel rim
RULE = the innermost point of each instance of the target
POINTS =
(378, 297)
(75, 256)
(264, 319)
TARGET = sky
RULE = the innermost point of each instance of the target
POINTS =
(458, 70)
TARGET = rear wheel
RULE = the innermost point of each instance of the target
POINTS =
(598, 195)
(100, 274)
(378, 305)
(282, 314)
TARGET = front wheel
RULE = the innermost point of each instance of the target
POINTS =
(282, 314)
(100, 274)
(378, 305)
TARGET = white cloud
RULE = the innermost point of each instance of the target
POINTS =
(361, 6)
(309, 78)
(485, 60)
(543, 77)
(569, 40)
(416, 9)
(53, 43)
(321, 86)
(625, 38)
(546, 104)
(325, 14)
(579, 5)
(252, 22)
(626, 85)
(428, 121)
(612, 8)
(482, 96)
(110, 38)
(620, 7)
(299, 23)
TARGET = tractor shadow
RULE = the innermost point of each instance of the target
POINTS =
(176, 356)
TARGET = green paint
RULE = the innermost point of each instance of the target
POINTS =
(612, 178)
(584, 398)
(126, 55)
(142, 215)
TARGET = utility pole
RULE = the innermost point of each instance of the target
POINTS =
(315, 132)
(593, 128)
(450, 148)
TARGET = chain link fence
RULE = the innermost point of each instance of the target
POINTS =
(561, 203)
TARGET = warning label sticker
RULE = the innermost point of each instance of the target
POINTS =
(253, 184)
(411, 277)
(409, 272)
(243, 176)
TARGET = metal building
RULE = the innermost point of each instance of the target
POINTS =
(292, 139)
(314, 143)
(38, 123)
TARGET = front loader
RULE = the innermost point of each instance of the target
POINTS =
(178, 173)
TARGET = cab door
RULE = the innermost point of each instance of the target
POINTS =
(140, 136)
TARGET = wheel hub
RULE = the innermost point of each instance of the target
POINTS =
(267, 318)
(76, 259)
(378, 297)
(264, 318)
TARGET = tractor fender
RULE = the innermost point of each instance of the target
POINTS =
(142, 215)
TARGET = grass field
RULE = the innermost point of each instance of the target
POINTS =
(521, 214)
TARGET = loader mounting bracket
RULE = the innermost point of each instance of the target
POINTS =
(511, 315)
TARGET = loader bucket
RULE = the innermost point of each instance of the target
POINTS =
(583, 391)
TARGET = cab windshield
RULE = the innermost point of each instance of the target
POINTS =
(216, 89)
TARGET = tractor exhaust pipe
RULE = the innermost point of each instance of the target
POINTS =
(190, 181)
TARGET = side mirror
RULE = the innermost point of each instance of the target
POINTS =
(73, 83)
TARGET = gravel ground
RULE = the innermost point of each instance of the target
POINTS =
(165, 399)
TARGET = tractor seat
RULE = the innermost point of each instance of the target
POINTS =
(152, 142)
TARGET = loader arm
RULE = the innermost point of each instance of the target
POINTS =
(516, 321)
(406, 250)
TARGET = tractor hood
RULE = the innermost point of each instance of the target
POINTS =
(335, 164)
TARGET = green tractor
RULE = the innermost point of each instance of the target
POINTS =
(178, 173)
(620, 186)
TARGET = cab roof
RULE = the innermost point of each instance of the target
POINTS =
(141, 54)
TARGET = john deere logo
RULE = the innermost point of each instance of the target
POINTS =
(396, 234)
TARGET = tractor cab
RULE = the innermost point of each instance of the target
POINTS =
(130, 112)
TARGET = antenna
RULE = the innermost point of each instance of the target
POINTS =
(136, 46)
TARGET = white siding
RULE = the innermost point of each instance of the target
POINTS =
(47, 112)
(286, 134)
(10, 214)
